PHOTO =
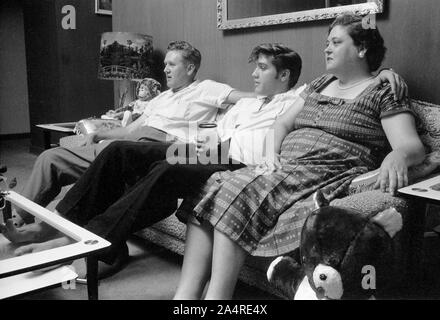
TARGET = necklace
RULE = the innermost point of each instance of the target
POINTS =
(354, 84)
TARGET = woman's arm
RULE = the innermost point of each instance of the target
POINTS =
(278, 131)
(407, 151)
(283, 126)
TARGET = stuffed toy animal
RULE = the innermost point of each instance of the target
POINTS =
(344, 254)
(146, 90)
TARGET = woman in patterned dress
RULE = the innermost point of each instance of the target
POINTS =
(348, 126)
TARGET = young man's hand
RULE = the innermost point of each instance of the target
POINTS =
(398, 85)
(201, 146)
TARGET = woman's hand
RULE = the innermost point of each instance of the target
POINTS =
(393, 173)
(398, 85)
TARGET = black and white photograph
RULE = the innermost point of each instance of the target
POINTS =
(219, 158)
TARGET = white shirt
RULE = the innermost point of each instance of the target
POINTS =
(177, 113)
(248, 123)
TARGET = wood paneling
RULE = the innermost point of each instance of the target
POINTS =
(410, 29)
(13, 84)
(62, 65)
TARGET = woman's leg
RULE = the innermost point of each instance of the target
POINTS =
(227, 260)
(196, 262)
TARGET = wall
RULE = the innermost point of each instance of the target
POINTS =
(410, 29)
(13, 84)
(63, 64)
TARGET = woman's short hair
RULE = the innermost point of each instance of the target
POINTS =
(363, 36)
(189, 53)
(283, 58)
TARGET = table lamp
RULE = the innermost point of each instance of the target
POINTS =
(127, 57)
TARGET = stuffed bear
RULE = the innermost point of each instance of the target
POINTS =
(344, 254)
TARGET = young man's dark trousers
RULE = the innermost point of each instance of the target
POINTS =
(129, 186)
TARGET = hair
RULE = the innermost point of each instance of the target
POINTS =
(364, 37)
(189, 53)
(283, 58)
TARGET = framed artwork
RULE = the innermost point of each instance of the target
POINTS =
(103, 7)
(233, 14)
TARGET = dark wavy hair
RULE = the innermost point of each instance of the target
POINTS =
(283, 58)
(364, 37)
(189, 53)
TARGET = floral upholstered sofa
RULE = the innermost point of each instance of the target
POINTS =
(170, 233)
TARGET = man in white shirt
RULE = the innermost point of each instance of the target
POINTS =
(169, 115)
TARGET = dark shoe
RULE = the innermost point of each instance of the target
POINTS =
(104, 270)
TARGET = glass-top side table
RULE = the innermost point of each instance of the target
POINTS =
(66, 128)
(86, 244)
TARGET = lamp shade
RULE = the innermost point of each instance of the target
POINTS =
(125, 55)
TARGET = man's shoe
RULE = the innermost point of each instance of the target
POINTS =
(104, 270)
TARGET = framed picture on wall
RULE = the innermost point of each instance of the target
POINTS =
(103, 7)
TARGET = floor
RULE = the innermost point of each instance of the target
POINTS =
(152, 272)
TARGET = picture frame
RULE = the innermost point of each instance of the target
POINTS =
(235, 14)
(103, 7)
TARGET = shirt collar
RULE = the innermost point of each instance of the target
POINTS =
(192, 84)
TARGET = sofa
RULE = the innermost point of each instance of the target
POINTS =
(170, 233)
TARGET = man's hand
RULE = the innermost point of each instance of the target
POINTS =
(398, 85)
(91, 138)
(393, 173)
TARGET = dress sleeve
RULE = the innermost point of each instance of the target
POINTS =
(389, 106)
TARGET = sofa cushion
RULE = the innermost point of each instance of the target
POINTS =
(429, 125)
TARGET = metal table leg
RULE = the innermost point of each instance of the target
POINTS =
(46, 139)
(92, 277)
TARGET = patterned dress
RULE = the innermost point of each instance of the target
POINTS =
(333, 141)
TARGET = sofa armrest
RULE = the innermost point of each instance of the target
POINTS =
(372, 201)
(366, 181)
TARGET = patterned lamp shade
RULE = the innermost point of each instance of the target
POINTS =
(125, 56)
